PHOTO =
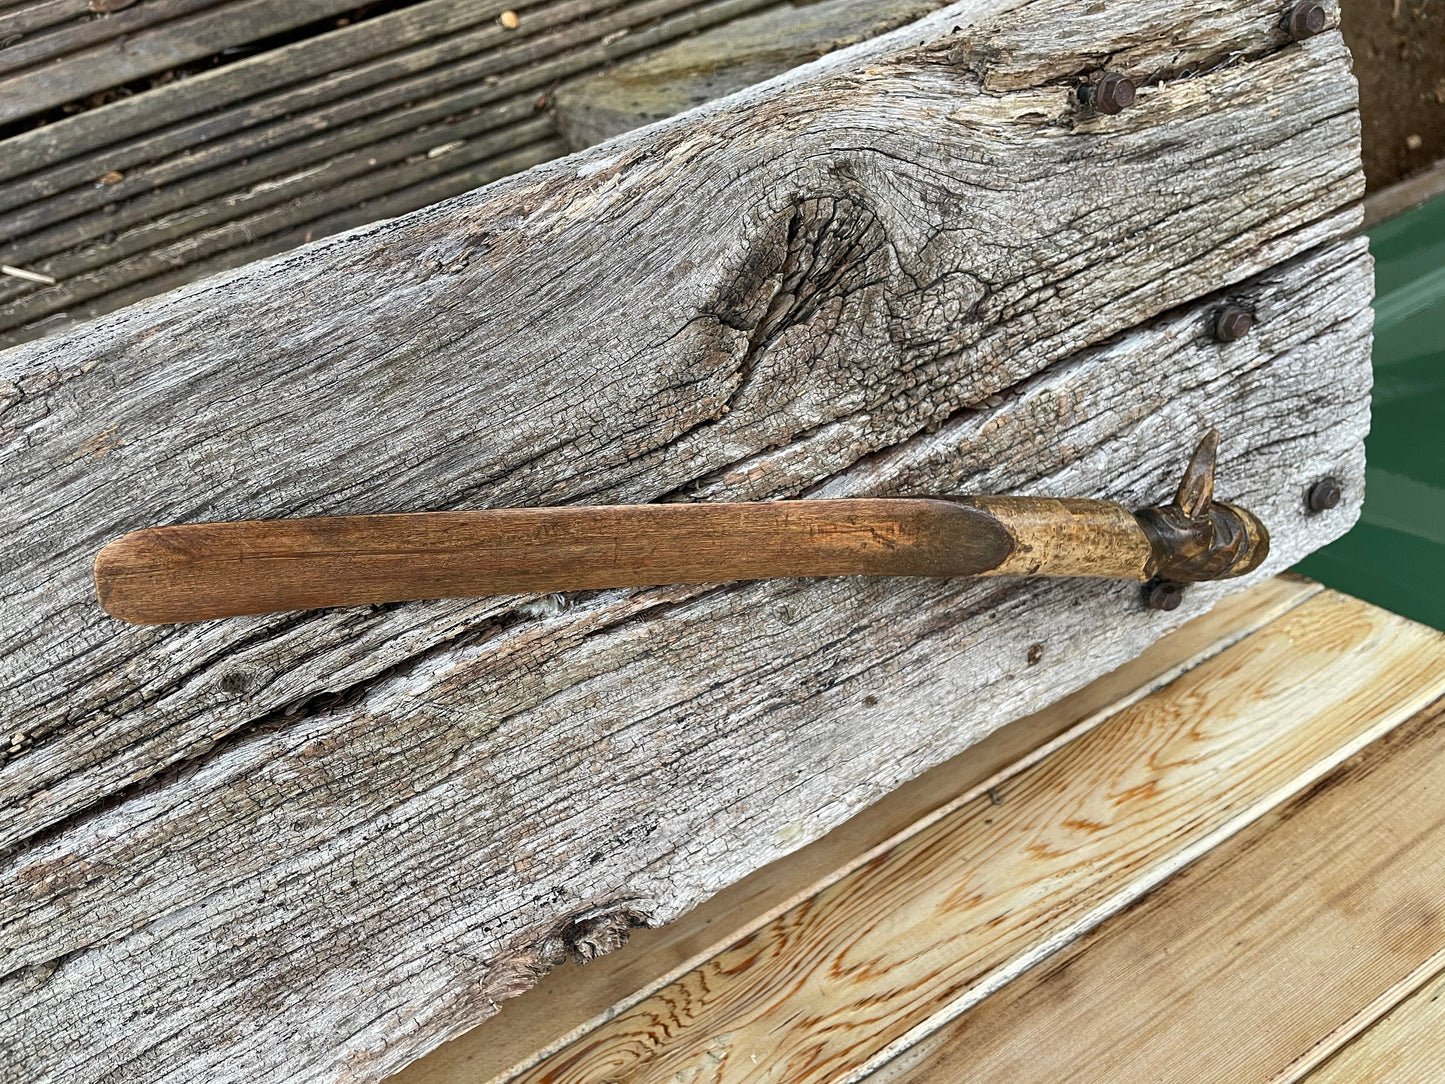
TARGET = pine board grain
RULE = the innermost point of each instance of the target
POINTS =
(569, 1000)
(1407, 1046)
(945, 918)
(1245, 964)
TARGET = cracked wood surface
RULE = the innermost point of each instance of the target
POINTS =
(313, 846)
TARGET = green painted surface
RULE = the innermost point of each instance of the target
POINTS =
(1395, 556)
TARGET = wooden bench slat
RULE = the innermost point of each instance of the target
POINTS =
(56, 44)
(192, 30)
(33, 16)
(324, 115)
(1402, 1048)
(199, 228)
(939, 922)
(49, 152)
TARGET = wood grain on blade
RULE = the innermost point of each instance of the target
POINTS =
(195, 572)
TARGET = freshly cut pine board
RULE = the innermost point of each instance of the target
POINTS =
(927, 933)
(1259, 962)
(1407, 1046)
(314, 846)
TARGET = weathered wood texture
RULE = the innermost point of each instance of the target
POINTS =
(724, 60)
(314, 846)
(1254, 963)
(571, 999)
(304, 140)
(941, 920)
(59, 63)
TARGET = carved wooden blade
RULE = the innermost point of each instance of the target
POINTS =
(197, 572)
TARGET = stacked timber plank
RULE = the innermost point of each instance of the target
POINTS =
(1230, 875)
(295, 119)
(313, 846)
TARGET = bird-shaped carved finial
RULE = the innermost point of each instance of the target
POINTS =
(1195, 537)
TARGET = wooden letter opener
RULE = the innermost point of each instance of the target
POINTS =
(201, 571)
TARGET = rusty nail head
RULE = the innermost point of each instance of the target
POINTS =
(1232, 323)
(1324, 495)
(1113, 93)
(1165, 595)
(1306, 19)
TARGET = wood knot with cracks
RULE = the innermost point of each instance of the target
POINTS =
(240, 680)
(843, 292)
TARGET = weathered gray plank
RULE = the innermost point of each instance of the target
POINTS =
(424, 299)
(426, 852)
(37, 15)
(407, 99)
(94, 55)
(721, 61)
(206, 96)
(782, 293)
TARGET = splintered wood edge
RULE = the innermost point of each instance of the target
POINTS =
(526, 1031)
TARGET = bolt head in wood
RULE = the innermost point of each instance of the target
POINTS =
(1306, 19)
(1232, 323)
(1324, 495)
(1165, 595)
(1113, 93)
